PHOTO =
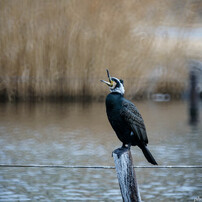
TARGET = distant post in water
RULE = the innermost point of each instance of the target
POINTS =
(195, 90)
(126, 175)
(193, 97)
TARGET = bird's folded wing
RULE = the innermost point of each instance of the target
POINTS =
(132, 117)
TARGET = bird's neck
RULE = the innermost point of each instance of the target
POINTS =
(117, 93)
(119, 89)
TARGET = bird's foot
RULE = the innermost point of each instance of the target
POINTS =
(120, 151)
(123, 146)
(129, 146)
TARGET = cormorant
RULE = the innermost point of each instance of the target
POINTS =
(125, 119)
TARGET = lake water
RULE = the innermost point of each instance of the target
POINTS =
(79, 134)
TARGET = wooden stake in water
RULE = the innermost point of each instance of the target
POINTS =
(126, 175)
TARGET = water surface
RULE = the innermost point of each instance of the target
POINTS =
(79, 134)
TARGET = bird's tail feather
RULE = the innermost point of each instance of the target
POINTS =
(148, 155)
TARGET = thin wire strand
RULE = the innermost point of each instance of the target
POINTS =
(91, 167)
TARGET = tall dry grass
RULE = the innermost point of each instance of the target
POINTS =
(55, 49)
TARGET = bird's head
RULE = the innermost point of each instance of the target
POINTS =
(115, 85)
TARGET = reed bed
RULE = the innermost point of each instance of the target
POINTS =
(60, 49)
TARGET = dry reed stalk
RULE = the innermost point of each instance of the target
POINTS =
(61, 48)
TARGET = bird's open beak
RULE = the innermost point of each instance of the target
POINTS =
(110, 83)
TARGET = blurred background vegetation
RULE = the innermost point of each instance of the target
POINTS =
(60, 49)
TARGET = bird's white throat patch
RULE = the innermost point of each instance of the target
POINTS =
(118, 88)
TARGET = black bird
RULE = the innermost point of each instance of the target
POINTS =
(125, 119)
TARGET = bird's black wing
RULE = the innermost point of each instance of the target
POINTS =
(133, 118)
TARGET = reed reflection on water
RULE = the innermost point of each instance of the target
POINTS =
(79, 134)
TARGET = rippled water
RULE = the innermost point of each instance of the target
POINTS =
(79, 134)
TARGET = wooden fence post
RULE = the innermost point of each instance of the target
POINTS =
(126, 175)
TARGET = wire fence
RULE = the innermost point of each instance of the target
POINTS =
(91, 167)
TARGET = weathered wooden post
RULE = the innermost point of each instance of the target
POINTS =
(126, 175)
